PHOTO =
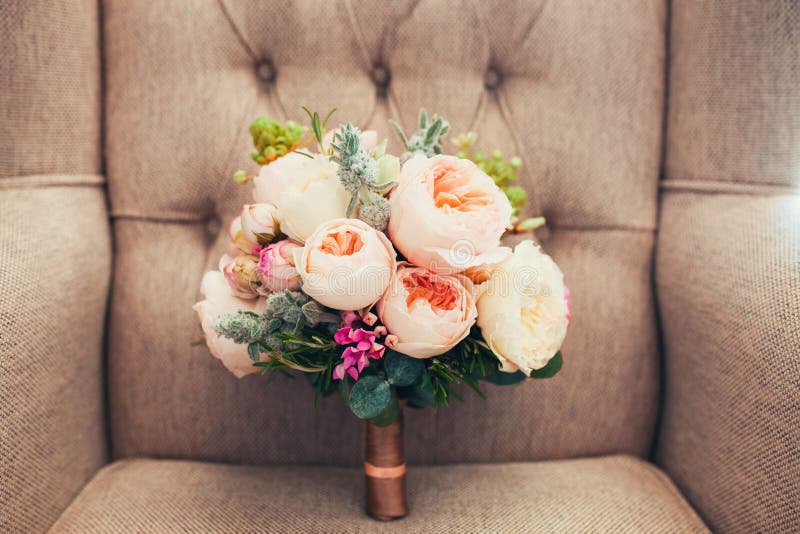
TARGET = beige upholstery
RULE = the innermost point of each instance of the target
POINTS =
(55, 259)
(728, 269)
(685, 343)
(611, 494)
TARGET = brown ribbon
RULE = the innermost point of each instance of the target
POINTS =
(385, 471)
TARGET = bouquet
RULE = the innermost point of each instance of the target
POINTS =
(382, 277)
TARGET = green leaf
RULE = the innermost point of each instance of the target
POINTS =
(344, 390)
(402, 370)
(254, 351)
(370, 396)
(549, 370)
(419, 395)
(388, 415)
(500, 378)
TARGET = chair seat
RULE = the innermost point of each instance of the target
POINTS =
(617, 493)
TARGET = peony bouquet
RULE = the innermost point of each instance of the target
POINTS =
(383, 278)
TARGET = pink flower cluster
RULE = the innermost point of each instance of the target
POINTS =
(361, 344)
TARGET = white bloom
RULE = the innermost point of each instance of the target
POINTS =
(523, 311)
(259, 219)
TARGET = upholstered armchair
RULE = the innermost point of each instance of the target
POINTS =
(661, 141)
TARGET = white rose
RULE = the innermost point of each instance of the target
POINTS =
(345, 264)
(522, 310)
(220, 301)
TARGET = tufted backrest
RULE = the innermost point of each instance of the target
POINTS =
(573, 87)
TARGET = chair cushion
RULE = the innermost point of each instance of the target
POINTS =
(617, 493)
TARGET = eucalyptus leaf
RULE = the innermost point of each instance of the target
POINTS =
(254, 351)
(500, 378)
(402, 370)
(419, 395)
(549, 370)
(370, 396)
(387, 416)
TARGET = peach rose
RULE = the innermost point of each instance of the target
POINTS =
(219, 301)
(447, 215)
(345, 264)
(426, 313)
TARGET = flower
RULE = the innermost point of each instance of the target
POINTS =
(306, 192)
(238, 243)
(345, 264)
(522, 310)
(219, 301)
(275, 269)
(362, 347)
(259, 223)
(426, 313)
(447, 215)
(240, 272)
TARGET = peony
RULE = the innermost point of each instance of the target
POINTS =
(426, 313)
(306, 192)
(345, 264)
(240, 272)
(259, 222)
(448, 215)
(276, 270)
(523, 310)
(219, 301)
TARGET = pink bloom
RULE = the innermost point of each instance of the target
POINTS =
(276, 270)
(361, 346)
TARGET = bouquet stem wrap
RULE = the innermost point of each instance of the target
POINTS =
(385, 470)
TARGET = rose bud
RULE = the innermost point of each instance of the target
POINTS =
(238, 243)
(259, 223)
(240, 272)
(276, 269)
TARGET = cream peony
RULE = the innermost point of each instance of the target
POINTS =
(345, 264)
(275, 177)
(426, 313)
(522, 310)
(448, 215)
(219, 301)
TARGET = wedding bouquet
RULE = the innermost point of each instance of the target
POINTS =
(382, 277)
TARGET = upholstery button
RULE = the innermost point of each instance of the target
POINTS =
(492, 79)
(213, 227)
(265, 71)
(380, 76)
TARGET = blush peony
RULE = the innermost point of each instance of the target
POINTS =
(447, 215)
(345, 264)
(220, 301)
(426, 313)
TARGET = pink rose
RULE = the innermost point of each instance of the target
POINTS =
(448, 215)
(219, 301)
(276, 267)
(426, 313)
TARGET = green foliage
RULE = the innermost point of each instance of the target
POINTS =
(551, 369)
(242, 327)
(272, 140)
(370, 396)
(427, 139)
(389, 414)
(360, 175)
(318, 125)
(402, 370)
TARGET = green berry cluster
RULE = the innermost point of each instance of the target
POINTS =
(273, 139)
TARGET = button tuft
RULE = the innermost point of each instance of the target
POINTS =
(380, 76)
(265, 71)
(492, 79)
